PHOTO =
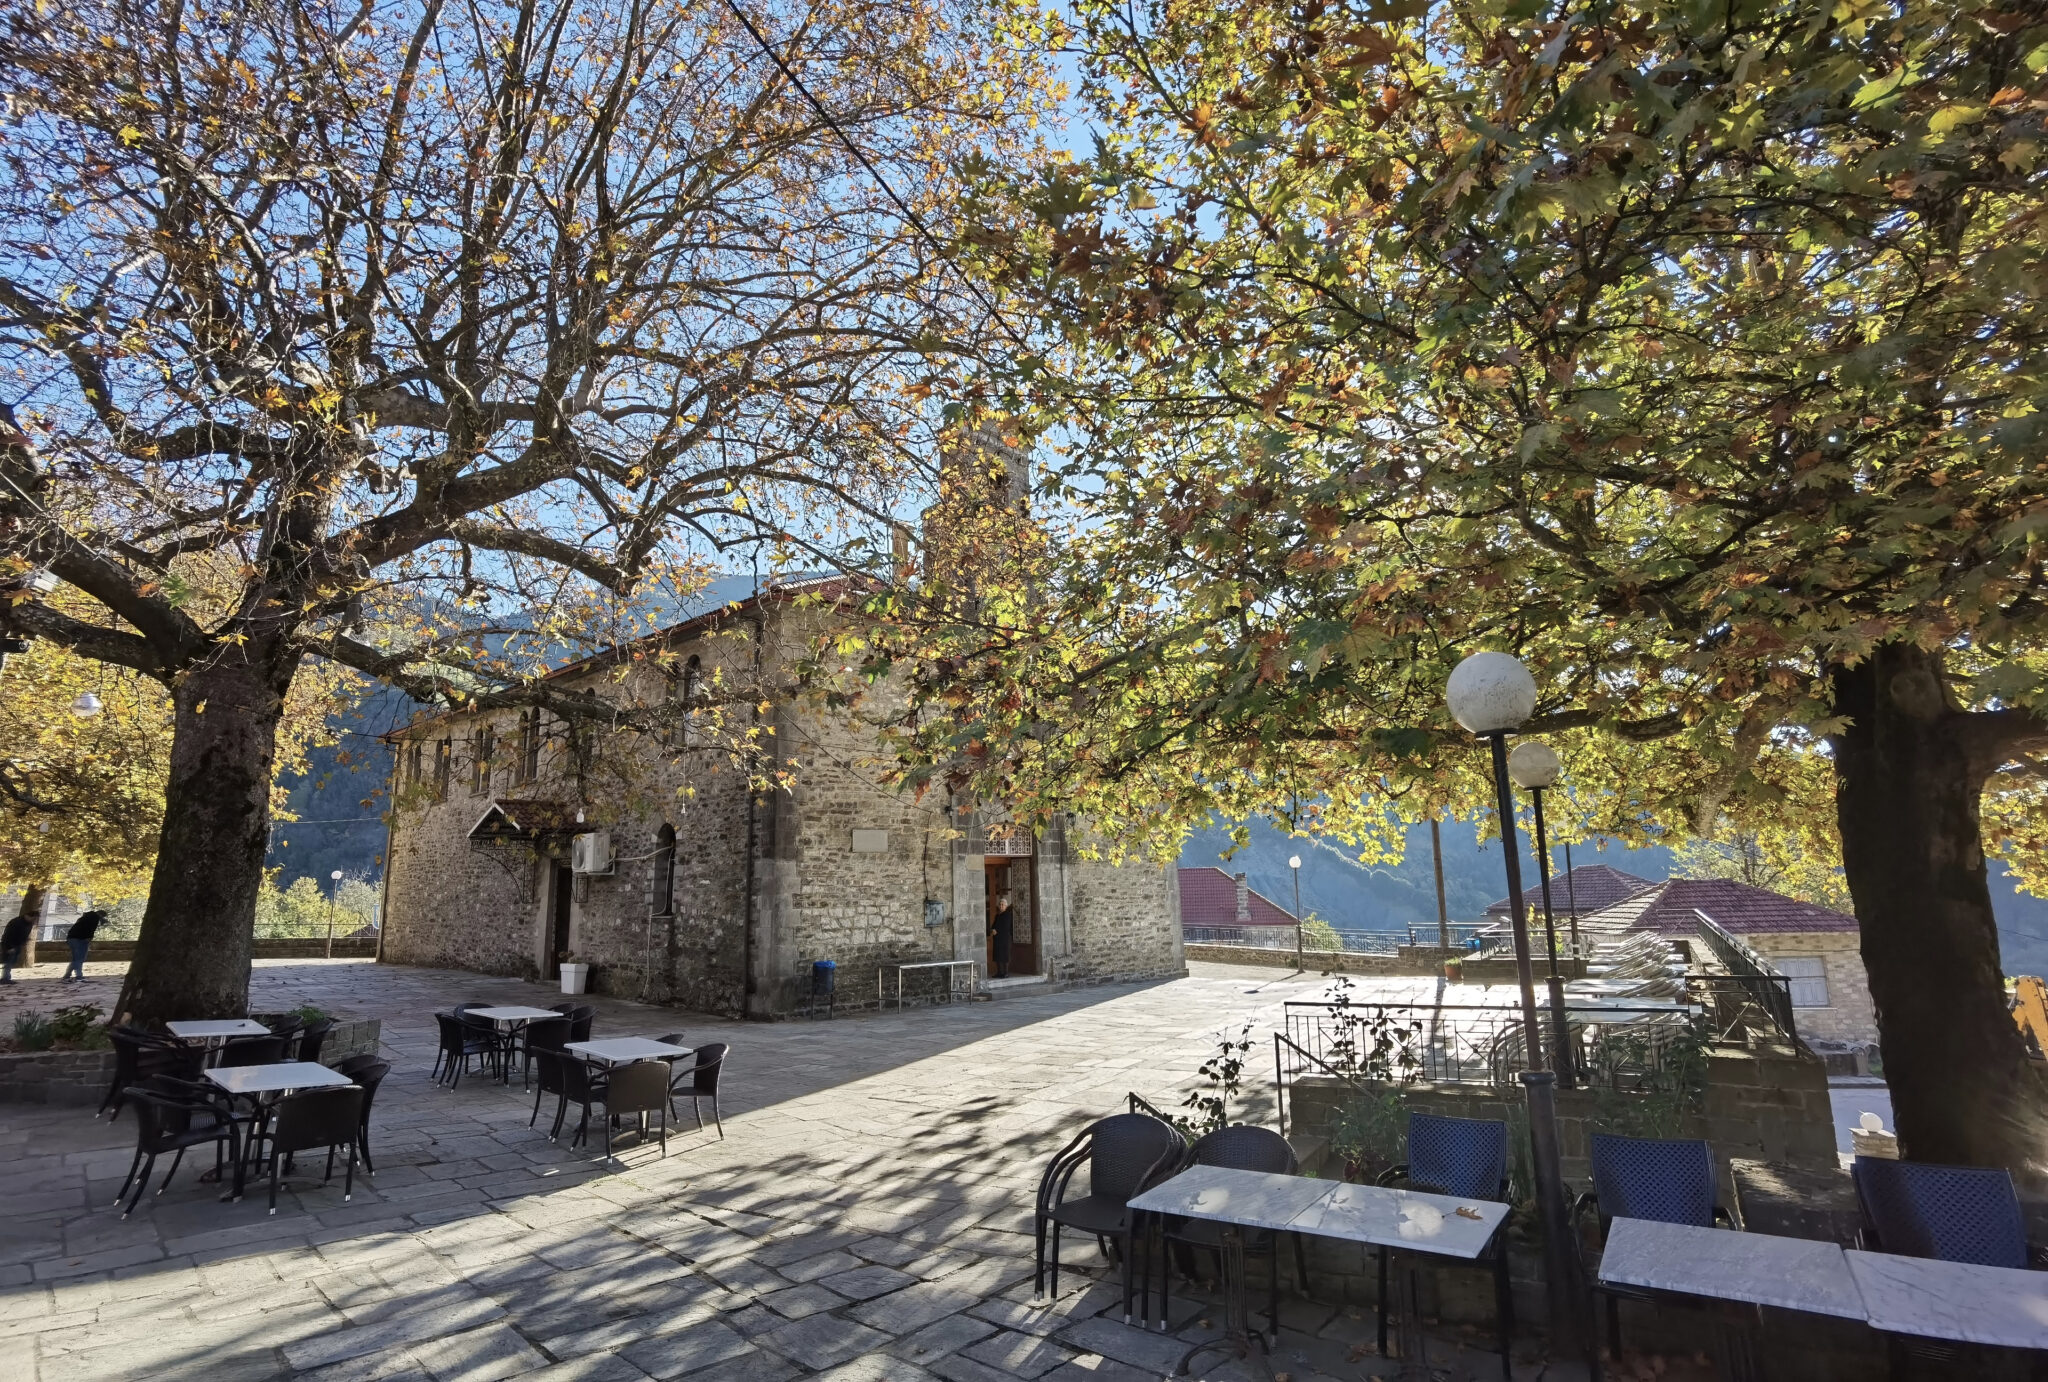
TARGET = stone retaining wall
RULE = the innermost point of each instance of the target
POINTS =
(1315, 961)
(266, 948)
(1763, 1103)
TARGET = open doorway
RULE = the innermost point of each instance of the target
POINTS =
(1012, 877)
(560, 896)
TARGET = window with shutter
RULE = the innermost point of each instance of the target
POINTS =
(1809, 976)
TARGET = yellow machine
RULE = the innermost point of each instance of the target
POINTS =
(2030, 1010)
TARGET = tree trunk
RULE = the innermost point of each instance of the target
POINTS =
(32, 899)
(192, 958)
(1909, 770)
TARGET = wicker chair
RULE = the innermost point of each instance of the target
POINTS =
(1126, 1154)
(330, 1118)
(1240, 1147)
(699, 1082)
(138, 1055)
(1955, 1213)
(170, 1117)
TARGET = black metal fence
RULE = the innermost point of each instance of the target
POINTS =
(1619, 1045)
(1353, 941)
(1768, 990)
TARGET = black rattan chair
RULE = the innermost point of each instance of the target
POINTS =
(252, 1050)
(1668, 1180)
(582, 1084)
(367, 1078)
(1468, 1158)
(169, 1118)
(581, 1018)
(551, 1064)
(138, 1055)
(313, 1038)
(317, 1118)
(544, 1034)
(699, 1082)
(1241, 1147)
(349, 1065)
(459, 1042)
(1126, 1154)
(638, 1089)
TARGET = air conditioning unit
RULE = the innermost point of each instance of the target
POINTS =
(591, 852)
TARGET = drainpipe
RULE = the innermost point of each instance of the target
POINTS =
(749, 988)
(390, 840)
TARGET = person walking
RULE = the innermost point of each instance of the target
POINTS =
(1001, 930)
(13, 941)
(80, 939)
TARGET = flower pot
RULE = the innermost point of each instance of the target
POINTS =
(574, 977)
(1454, 971)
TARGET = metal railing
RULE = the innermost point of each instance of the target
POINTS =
(1351, 940)
(1614, 1044)
(1769, 990)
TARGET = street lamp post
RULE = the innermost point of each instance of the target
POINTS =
(1534, 766)
(1491, 694)
(333, 895)
(1294, 862)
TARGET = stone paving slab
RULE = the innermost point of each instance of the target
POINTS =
(864, 1218)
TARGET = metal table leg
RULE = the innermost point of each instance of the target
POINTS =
(1237, 1336)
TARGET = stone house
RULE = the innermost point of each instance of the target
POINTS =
(516, 843)
(1816, 948)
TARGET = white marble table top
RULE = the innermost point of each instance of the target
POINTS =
(621, 1049)
(1958, 1301)
(1755, 1268)
(1253, 1199)
(268, 1079)
(514, 1014)
(213, 1029)
(1407, 1219)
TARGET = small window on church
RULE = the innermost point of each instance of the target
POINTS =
(481, 745)
(529, 745)
(693, 687)
(1809, 976)
(412, 761)
(444, 763)
(665, 870)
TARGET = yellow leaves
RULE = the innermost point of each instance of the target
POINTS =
(1950, 117)
(132, 136)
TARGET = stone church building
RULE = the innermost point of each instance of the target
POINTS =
(516, 844)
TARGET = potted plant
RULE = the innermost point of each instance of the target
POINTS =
(575, 974)
(1454, 969)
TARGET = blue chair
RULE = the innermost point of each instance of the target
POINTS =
(1467, 1158)
(1239, 1147)
(1955, 1213)
(1126, 1154)
(1669, 1180)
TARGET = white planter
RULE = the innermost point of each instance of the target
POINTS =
(574, 977)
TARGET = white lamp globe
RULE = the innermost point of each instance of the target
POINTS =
(86, 706)
(336, 875)
(1533, 765)
(1294, 861)
(1491, 693)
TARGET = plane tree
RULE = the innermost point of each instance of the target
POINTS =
(1691, 353)
(449, 330)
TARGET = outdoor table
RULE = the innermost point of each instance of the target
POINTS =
(1412, 1222)
(513, 1017)
(1237, 1200)
(625, 1050)
(973, 976)
(1958, 1302)
(214, 1032)
(1724, 1265)
(1406, 1221)
(255, 1081)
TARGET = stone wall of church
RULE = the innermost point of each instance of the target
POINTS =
(843, 863)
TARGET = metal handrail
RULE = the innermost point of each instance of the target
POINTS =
(1768, 989)
(1280, 1074)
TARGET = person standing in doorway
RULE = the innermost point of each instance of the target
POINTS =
(80, 939)
(13, 941)
(1001, 930)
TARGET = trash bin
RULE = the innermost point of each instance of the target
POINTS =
(824, 981)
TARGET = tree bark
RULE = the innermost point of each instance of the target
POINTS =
(32, 907)
(1909, 770)
(192, 958)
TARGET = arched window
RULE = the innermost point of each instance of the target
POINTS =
(665, 870)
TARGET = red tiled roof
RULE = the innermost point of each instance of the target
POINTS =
(1589, 887)
(1669, 907)
(1208, 897)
